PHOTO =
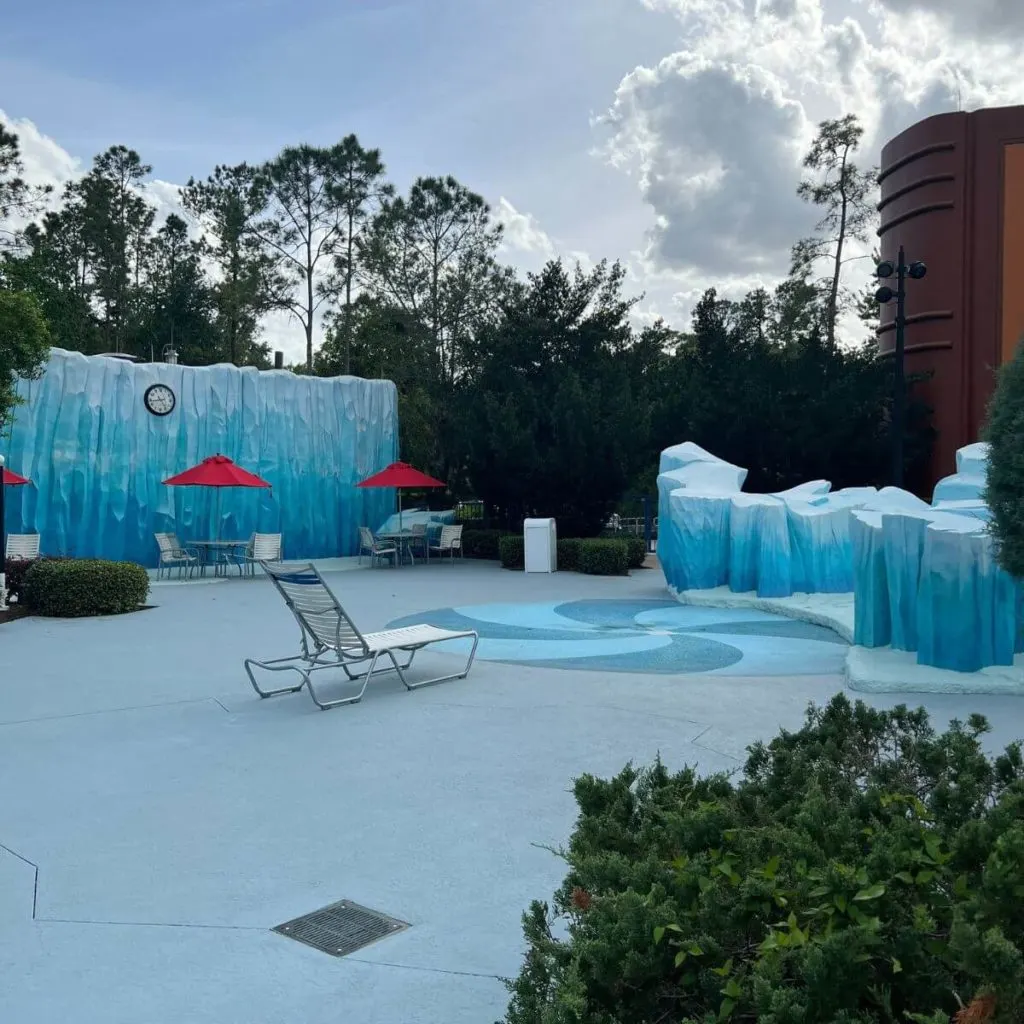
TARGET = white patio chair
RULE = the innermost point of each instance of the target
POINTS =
(449, 542)
(173, 553)
(330, 639)
(22, 546)
(263, 547)
(376, 549)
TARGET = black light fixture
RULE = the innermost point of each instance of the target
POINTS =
(902, 271)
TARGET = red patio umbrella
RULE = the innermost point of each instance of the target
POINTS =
(216, 471)
(13, 479)
(399, 475)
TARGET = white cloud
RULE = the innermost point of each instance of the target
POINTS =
(522, 232)
(714, 132)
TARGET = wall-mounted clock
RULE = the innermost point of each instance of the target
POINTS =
(159, 399)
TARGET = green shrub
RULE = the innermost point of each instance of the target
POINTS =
(863, 869)
(14, 573)
(510, 551)
(1004, 491)
(569, 554)
(76, 587)
(604, 557)
(637, 551)
(481, 543)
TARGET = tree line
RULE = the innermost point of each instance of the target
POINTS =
(536, 393)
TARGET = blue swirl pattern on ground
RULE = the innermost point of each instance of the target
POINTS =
(643, 636)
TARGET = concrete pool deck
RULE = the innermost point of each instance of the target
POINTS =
(157, 819)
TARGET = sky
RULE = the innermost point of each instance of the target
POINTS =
(665, 133)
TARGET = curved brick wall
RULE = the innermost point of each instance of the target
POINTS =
(952, 193)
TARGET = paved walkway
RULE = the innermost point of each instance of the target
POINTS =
(157, 820)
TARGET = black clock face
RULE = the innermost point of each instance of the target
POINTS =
(159, 399)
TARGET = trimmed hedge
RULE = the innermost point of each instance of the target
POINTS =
(481, 543)
(510, 551)
(569, 554)
(85, 586)
(15, 570)
(595, 556)
(637, 549)
(604, 558)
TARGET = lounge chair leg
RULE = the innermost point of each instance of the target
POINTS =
(438, 679)
(277, 665)
(326, 705)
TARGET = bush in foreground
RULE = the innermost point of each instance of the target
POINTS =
(481, 543)
(863, 869)
(604, 558)
(15, 570)
(510, 551)
(78, 587)
(637, 549)
(569, 554)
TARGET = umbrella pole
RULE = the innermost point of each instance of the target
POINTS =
(399, 489)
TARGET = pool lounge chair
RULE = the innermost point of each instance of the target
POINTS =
(330, 639)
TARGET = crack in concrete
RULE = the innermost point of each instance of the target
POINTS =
(35, 875)
(429, 970)
(154, 924)
(112, 711)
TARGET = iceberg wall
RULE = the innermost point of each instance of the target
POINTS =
(96, 456)
(924, 577)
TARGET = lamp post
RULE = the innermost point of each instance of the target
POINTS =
(902, 271)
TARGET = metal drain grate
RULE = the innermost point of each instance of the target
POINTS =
(341, 928)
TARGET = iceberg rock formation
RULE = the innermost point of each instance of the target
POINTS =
(96, 456)
(923, 576)
(968, 482)
(411, 517)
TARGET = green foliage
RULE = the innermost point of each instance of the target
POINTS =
(1004, 491)
(600, 557)
(78, 587)
(549, 420)
(24, 345)
(17, 196)
(510, 551)
(482, 543)
(863, 869)
(758, 385)
(636, 548)
(845, 195)
(229, 204)
(15, 570)
(568, 551)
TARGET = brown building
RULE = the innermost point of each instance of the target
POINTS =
(953, 196)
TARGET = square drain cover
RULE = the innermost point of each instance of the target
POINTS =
(341, 928)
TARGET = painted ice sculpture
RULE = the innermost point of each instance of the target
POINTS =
(968, 482)
(96, 456)
(923, 576)
(410, 517)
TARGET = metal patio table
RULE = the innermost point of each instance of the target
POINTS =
(206, 548)
(402, 539)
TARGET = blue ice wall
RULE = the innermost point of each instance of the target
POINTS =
(96, 457)
(924, 578)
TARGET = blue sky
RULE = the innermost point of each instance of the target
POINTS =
(498, 94)
(708, 106)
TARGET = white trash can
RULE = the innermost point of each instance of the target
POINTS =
(540, 545)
